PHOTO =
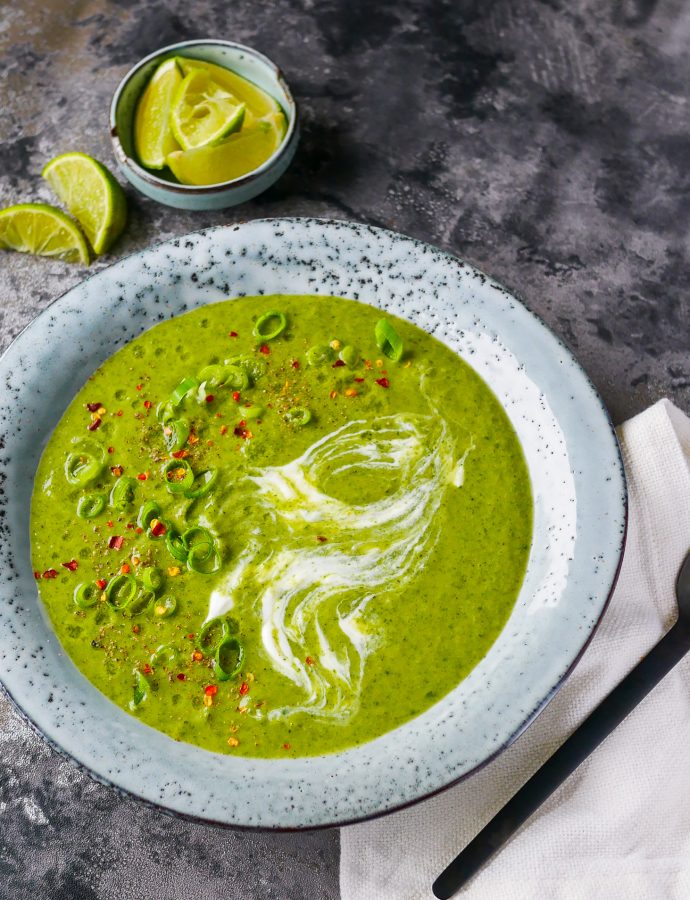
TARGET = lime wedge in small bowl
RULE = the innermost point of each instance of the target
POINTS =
(43, 230)
(91, 195)
(233, 157)
(203, 112)
(153, 137)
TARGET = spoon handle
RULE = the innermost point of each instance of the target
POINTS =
(586, 738)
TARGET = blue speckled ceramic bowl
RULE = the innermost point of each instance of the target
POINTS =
(246, 62)
(579, 516)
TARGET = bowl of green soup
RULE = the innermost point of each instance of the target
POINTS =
(307, 521)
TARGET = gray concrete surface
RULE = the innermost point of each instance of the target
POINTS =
(546, 142)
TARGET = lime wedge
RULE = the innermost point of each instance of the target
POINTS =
(92, 196)
(44, 230)
(235, 156)
(203, 112)
(153, 137)
(258, 102)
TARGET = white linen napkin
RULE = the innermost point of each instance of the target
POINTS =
(619, 828)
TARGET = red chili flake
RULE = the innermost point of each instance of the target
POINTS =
(191, 636)
(50, 573)
(109, 523)
(210, 398)
(243, 432)
(233, 334)
(359, 380)
(147, 404)
(265, 349)
(139, 387)
(236, 396)
(180, 454)
(295, 364)
(147, 669)
(309, 660)
(129, 525)
(181, 676)
(286, 746)
(223, 429)
(321, 539)
(111, 449)
(338, 364)
(116, 542)
(244, 688)
(158, 528)
(72, 565)
(37, 576)
(139, 530)
(136, 629)
(119, 412)
(384, 382)
(101, 583)
(211, 690)
(117, 470)
(124, 569)
(142, 476)
(92, 407)
(95, 424)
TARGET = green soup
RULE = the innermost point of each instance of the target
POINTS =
(280, 526)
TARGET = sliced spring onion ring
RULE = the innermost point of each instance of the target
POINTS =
(141, 690)
(149, 511)
(229, 658)
(211, 634)
(152, 579)
(319, 355)
(165, 412)
(236, 377)
(350, 356)
(183, 388)
(84, 463)
(265, 333)
(196, 535)
(204, 559)
(91, 505)
(164, 607)
(141, 602)
(182, 482)
(202, 484)
(175, 433)
(122, 494)
(212, 376)
(86, 595)
(251, 412)
(120, 591)
(163, 655)
(255, 367)
(298, 416)
(388, 340)
(175, 545)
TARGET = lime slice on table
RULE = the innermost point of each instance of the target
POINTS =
(153, 137)
(258, 102)
(203, 112)
(43, 230)
(235, 156)
(91, 195)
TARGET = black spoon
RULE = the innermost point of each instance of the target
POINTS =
(597, 726)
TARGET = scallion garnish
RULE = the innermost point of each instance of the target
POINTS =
(141, 690)
(266, 331)
(175, 433)
(178, 476)
(211, 634)
(229, 658)
(120, 591)
(84, 463)
(319, 355)
(149, 511)
(298, 416)
(183, 388)
(86, 595)
(164, 607)
(91, 505)
(388, 340)
(202, 484)
(152, 579)
(122, 494)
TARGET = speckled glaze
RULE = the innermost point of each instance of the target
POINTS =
(246, 62)
(580, 515)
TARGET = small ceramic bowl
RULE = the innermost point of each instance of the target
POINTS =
(245, 62)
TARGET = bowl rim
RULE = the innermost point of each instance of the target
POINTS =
(528, 719)
(192, 190)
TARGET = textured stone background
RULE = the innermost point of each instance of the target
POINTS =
(546, 142)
